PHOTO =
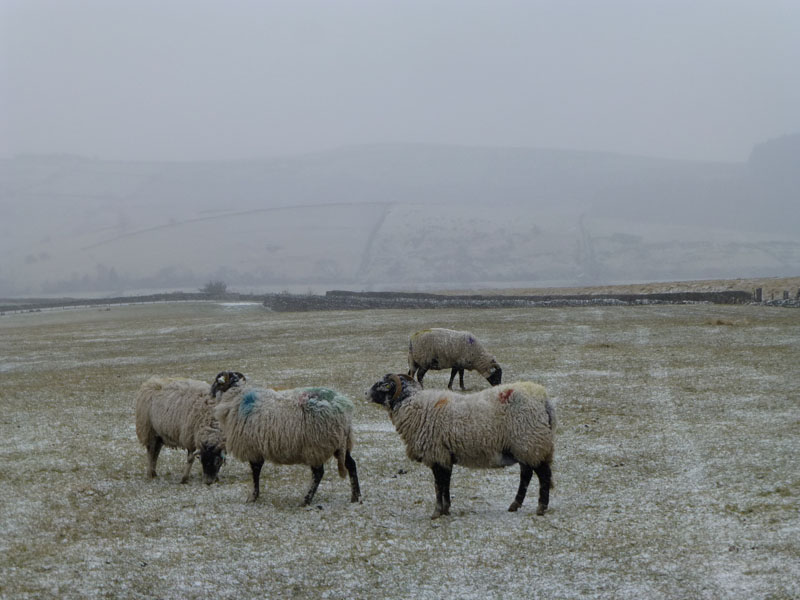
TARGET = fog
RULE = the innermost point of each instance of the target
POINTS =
(186, 80)
(529, 138)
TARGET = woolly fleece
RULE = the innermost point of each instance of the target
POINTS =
(480, 429)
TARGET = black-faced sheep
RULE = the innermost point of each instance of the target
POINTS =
(299, 426)
(439, 348)
(497, 427)
(178, 413)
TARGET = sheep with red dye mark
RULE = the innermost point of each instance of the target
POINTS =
(298, 426)
(439, 348)
(178, 413)
(496, 427)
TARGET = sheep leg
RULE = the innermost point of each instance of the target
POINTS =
(525, 474)
(461, 379)
(255, 467)
(545, 476)
(189, 461)
(355, 490)
(420, 374)
(453, 373)
(316, 473)
(441, 480)
(153, 448)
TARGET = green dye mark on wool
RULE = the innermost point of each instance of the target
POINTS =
(324, 399)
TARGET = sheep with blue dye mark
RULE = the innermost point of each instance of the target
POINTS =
(496, 427)
(297, 426)
(439, 348)
(178, 413)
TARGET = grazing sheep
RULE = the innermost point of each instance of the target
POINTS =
(299, 426)
(496, 427)
(449, 349)
(178, 413)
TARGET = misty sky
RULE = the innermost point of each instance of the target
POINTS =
(196, 80)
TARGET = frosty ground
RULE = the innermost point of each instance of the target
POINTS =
(677, 471)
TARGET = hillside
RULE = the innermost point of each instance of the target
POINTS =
(390, 216)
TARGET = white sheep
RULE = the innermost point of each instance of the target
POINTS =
(496, 427)
(178, 413)
(439, 348)
(298, 426)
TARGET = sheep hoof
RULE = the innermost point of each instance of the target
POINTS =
(251, 498)
(541, 508)
(185, 480)
(514, 506)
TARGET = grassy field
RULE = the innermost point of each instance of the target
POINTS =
(677, 466)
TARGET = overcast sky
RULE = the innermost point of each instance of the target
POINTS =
(189, 79)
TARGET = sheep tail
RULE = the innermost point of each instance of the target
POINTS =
(341, 453)
(551, 414)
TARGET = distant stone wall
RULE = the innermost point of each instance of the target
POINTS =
(37, 304)
(345, 300)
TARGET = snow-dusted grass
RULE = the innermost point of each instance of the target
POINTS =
(677, 469)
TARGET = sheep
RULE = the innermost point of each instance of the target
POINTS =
(496, 427)
(439, 348)
(177, 413)
(298, 426)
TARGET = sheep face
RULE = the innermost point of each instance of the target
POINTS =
(225, 380)
(211, 458)
(495, 375)
(392, 389)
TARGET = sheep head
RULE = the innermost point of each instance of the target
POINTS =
(495, 374)
(211, 452)
(225, 380)
(392, 390)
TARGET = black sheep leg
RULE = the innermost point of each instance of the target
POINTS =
(545, 475)
(525, 474)
(441, 480)
(453, 373)
(355, 490)
(255, 467)
(420, 374)
(316, 473)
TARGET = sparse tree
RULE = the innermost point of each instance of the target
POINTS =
(215, 288)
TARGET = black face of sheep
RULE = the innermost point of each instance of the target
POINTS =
(392, 389)
(225, 380)
(495, 376)
(211, 458)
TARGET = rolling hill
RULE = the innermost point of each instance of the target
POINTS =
(396, 216)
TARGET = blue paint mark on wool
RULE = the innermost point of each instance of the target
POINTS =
(248, 402)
